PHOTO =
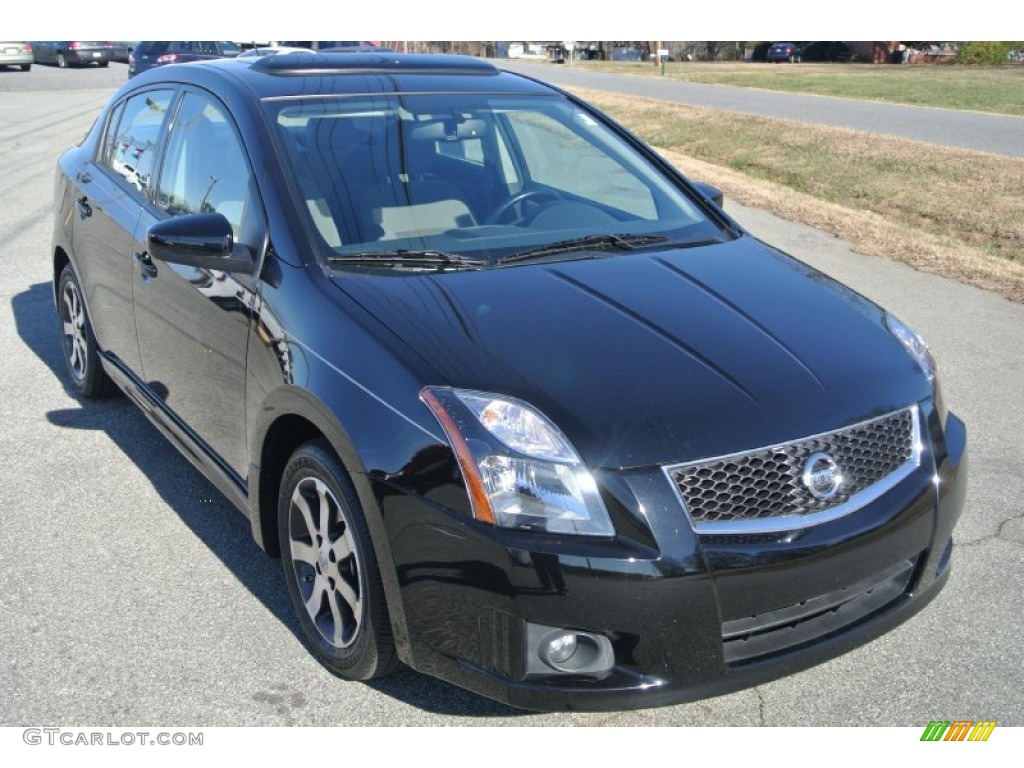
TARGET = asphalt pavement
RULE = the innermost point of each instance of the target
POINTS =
(1000, 134)
(132, 594)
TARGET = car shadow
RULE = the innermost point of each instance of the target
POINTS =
(225, 532)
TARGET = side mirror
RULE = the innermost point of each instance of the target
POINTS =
(202, 240)
(714, 194)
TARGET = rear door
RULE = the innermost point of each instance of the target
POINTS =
(193, 324)
(110, 191)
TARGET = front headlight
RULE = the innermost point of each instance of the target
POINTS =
(914, 344)
(520, 470)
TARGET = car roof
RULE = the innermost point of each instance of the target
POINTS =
(326, 73)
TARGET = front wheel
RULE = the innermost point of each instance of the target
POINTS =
(331, 568)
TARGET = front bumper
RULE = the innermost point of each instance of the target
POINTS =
(688, 616)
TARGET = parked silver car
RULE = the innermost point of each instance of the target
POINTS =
(16, 55)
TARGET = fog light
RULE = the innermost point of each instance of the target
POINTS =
(552, 651)
(559, 649)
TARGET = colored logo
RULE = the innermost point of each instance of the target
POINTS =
(958, 730)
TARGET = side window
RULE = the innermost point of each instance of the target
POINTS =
(205, 169)
(110, 136)
(133, 146)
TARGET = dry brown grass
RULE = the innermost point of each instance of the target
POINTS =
(952, 212)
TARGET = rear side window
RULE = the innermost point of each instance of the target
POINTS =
(133, 146)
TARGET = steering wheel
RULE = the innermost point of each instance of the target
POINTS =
(535, 195)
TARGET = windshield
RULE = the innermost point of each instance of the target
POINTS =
(482, 176)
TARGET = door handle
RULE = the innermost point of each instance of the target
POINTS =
(146, 265)
(84, 209)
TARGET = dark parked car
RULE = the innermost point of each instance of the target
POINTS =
(146, 55)
(72, 53)
(338, 46)
(120, 50)
(785, 52)
(516, 403)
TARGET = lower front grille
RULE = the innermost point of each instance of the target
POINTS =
(752, 637)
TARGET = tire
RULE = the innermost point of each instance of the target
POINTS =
(62, 60)
(330, 567)
(26, 67)
(81, 353)
(104, 64)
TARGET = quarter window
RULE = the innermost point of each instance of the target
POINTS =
(110, 135)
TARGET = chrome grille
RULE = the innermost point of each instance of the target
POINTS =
(763, 490)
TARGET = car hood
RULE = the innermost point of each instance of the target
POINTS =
(656, 357)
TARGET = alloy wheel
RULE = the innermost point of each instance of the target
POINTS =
(325, 562)
(76, 343)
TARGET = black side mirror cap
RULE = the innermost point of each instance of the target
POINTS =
(202, 240)
(714, 194)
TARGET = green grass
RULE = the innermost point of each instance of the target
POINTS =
(950, 211)
(985, 89)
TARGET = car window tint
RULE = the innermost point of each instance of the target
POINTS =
(138, 133)
(559, 158)
(205, 168)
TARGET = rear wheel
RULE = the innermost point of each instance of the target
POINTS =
(81, 354)
(104, 63)
(330, 567)
(62, 60)
(26, 67)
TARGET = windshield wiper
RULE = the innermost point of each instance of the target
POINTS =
(409, 258)
(589, 243)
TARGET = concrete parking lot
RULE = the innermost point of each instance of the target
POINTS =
(131, 593)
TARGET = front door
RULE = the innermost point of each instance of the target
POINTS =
(193, 324)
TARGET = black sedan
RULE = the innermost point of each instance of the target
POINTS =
(157, 53)
(73, 53)
(790, 52)
(515, 402)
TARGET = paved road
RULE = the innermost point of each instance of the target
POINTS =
(131, 593)
(970, 130)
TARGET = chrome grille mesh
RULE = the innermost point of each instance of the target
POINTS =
(765, 484)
